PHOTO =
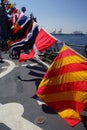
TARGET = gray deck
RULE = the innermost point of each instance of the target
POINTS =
(17, 95)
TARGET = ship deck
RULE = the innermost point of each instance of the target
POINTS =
(20, 108)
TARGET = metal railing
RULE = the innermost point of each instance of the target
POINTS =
(51, 53)
(81, 49)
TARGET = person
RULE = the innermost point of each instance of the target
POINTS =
(23, 10)
(1, 59)
(4, 29)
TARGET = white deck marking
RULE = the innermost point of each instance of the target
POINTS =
(24, 65)
(11, 116)
(33, 64)
(4, 67)
(9, 68)
(11, 113)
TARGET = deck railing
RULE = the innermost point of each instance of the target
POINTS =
(51, 53)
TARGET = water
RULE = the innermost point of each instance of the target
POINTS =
(73, 39)
(76, 42)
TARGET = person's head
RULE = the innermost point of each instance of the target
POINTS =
(23, 9)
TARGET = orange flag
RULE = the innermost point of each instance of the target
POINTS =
(64, 86)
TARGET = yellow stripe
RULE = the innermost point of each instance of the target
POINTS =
(69, 113)
(65, 96)
(64, 48)
(65, 61)
(65, 78)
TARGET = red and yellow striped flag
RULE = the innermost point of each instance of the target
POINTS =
(64, 85)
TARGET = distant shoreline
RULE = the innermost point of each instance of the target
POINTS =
(66, 34)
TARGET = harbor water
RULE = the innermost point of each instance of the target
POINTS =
(76, 42)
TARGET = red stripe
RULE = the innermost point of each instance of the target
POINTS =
(62, 105)
(71, 86)
(72, 122)
(66, 69)
(64, 53)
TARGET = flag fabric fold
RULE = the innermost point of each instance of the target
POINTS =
(43, 41)
(27, 36)
(64, 85)
(19, 24)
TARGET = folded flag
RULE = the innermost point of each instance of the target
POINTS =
(25, 34)
(43, 41)
(64, 85)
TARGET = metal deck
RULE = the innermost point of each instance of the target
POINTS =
(20, 108)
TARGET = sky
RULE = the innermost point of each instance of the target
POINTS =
(68, 15)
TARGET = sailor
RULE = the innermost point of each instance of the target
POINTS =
(4, 29)
(22, 13)
(1, 59)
